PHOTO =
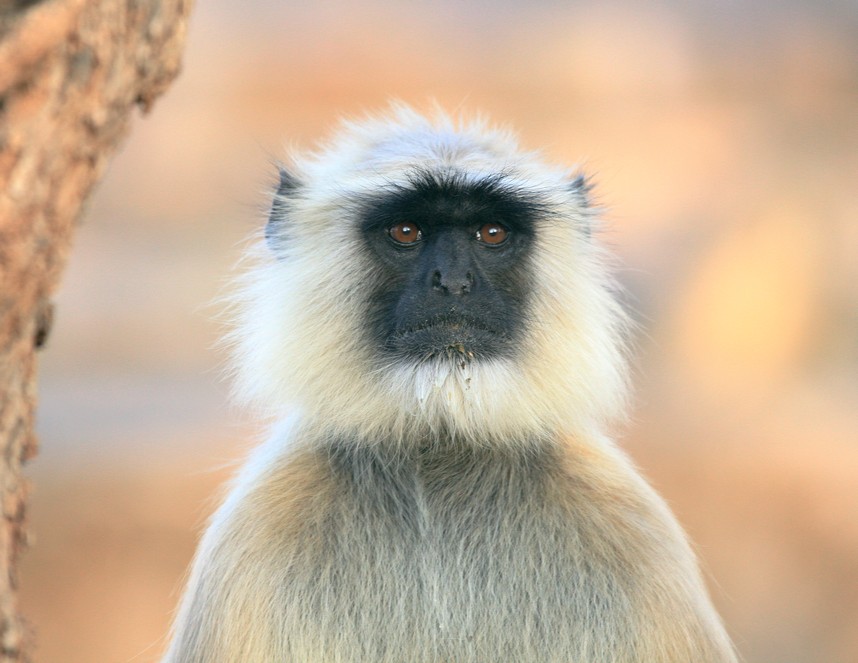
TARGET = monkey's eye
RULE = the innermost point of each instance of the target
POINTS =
(405, 233)
(492, 233)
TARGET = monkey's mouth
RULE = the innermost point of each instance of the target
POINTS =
(446, 335)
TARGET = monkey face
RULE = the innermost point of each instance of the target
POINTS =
(421, 275)
(454, 259)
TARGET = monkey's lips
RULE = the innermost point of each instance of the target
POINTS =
(446, 335)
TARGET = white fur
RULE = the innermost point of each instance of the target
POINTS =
(299, 341)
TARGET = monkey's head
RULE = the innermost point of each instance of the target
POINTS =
(422, 276)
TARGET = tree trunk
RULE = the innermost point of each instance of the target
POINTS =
(71, 73)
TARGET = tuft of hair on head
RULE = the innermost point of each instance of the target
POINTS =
(299, 339)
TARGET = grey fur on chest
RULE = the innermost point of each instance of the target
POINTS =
(480, 562)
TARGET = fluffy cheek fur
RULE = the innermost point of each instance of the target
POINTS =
(297, 350)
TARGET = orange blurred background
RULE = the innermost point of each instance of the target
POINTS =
(723, 138)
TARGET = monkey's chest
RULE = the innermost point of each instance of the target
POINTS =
(450, 566)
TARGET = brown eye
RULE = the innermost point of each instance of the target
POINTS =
(405, 233)
(492, 233)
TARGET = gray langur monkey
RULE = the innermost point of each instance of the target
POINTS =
(432, 322)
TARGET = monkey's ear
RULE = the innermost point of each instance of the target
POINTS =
(580, 186)
(287, 187)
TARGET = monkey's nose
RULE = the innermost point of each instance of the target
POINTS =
(453, 284)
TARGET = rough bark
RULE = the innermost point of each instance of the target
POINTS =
(71, 74)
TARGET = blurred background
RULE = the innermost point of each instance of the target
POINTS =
(723, 138)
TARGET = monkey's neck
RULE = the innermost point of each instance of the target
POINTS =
(441, 460)
(421, 442)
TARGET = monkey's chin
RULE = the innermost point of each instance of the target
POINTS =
(455, 344)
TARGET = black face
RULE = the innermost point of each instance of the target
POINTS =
(455, 259)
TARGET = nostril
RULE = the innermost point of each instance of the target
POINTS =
(436, 279)
(468, 282)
